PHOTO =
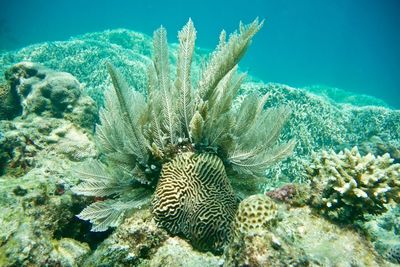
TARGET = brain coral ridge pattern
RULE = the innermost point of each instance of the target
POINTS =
(194, 198)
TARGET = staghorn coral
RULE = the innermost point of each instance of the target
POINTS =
(139, 134)
(194, 198)
(347, 186)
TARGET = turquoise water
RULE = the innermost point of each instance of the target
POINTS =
(118, 148)
(353, 45)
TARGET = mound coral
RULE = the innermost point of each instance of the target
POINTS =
(143, 135)
(194, 198)
(346, 186)
(255, 213)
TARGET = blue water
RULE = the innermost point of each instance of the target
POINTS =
(350, 44)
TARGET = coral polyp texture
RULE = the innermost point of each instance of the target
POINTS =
(194, 198)
(191, 133)
(255, 213)
(346, 186)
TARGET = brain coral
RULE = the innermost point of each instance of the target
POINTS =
(346, 186)
(255, 213)
(195, 199)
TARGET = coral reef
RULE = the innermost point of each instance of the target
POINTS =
(82, 55)
(139, 134)
(194, 198)
(318, 124)
(48, 93)
(316, 121)
(38, 152)
(346, 186)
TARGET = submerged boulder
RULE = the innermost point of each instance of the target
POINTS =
(42, 91)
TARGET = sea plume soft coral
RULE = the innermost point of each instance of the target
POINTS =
(139, 134)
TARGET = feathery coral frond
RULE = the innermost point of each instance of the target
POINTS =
(225, 57)
(120, 104)
(161, 64)
(254, 150)
(109, 213)
(187, 37)
(98, 181)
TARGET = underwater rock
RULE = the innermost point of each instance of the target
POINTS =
(347, 186)
(291, 194)
(48, 93)
(68, 252)
(35, 200)
(134, 242)
(384, 231)
(26, 141)
(10, 106)
(139, 242)
(178, 253)
(301, 239)
(195, 199)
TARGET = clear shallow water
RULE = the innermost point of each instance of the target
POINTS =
(353, 45)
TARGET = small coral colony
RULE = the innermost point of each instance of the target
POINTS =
(188, 147)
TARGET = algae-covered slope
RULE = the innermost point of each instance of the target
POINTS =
(85, 57)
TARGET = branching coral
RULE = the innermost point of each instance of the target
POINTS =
(346, 186)
(140, 134)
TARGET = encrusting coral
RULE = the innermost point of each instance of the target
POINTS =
(139, 134)
(346, 185)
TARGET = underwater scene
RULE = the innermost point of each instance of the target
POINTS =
(204, 134)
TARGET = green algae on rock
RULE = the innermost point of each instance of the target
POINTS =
(49, 93)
